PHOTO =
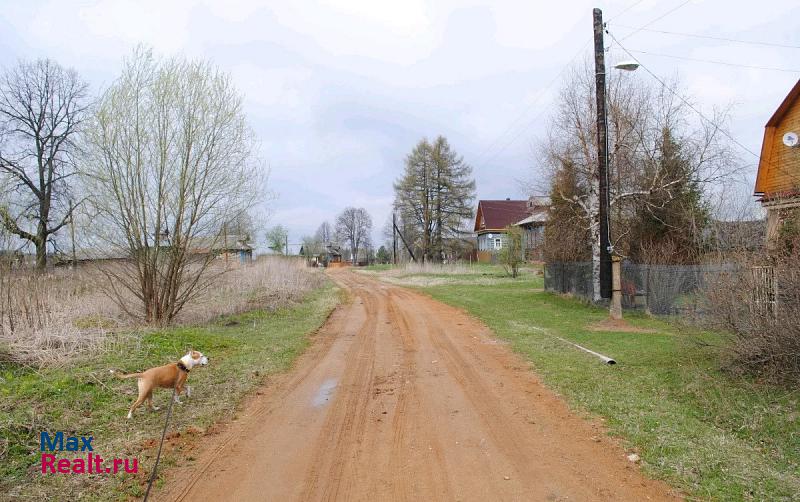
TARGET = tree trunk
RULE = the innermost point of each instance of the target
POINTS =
(593, 205)
(41, 230)
(41, 254)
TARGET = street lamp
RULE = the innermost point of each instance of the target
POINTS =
(627, 65)
(607, 290)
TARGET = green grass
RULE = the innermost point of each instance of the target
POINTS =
(84, 399)
(459, 273)
(713, 435)
(378, 267)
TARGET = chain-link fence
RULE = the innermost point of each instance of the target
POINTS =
(659, 289)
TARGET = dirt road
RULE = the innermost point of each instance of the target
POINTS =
(404, 398)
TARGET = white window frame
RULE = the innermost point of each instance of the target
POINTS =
(498, 243)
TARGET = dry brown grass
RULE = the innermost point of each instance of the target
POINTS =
(51, 319)
(270, 282)
(48, 319)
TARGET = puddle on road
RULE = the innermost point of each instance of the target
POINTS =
(324, 393)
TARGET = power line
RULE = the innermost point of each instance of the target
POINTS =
(625, 10)
(480, 159)
(531, 106)
(522, 129)
(710, 37)
(724, 63)
(684, 100)
(659, 18)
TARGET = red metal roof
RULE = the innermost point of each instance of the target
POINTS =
(498, 214)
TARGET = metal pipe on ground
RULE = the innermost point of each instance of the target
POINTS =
(603, 358)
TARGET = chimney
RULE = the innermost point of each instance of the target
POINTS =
(508, 198)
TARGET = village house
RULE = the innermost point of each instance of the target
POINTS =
(493, 216)
(533, 227)
(332, 257)
(778, 180)
(230, 248)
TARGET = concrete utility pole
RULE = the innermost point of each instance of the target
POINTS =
(615, 309)
(602, 154)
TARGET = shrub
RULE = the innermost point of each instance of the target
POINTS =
(758, 305)
(511, 254)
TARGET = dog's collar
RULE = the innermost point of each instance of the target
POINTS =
(182, 367)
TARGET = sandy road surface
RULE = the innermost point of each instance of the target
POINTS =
(404, 398)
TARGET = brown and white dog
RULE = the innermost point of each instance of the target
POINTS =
(167, 376)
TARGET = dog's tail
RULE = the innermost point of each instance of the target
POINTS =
(124, 375)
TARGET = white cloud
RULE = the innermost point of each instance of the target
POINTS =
(339, 90)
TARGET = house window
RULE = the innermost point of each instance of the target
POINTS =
(498, 243)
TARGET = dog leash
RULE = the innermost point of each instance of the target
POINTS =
(163, 435)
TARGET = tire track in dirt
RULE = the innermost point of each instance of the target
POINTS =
(403, 398)
(345, 426)
(417, 431)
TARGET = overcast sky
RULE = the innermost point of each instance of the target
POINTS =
(339, 91)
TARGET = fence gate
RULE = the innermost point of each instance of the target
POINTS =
(765, 291)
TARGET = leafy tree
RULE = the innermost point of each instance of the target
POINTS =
(435, 195)
(383, 256)
(311, 246)
(566, 238)
(672, 218)
(276, 238)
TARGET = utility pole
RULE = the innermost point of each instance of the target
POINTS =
(602, 154)
(408, 248)
(394, 238)
(286, 242)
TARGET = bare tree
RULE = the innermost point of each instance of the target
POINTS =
(643, 121)
(42, 109)
(242, 225)
(171, 161)
(354, 226)
(324, 234)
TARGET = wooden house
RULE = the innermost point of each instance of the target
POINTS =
(332, 257)
(86, 256)
(231, 248)
(533, 227)
(778, 180)
(494, 216)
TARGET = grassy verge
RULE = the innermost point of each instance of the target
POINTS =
(712, 435)
(84, 399)
(417, 275)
